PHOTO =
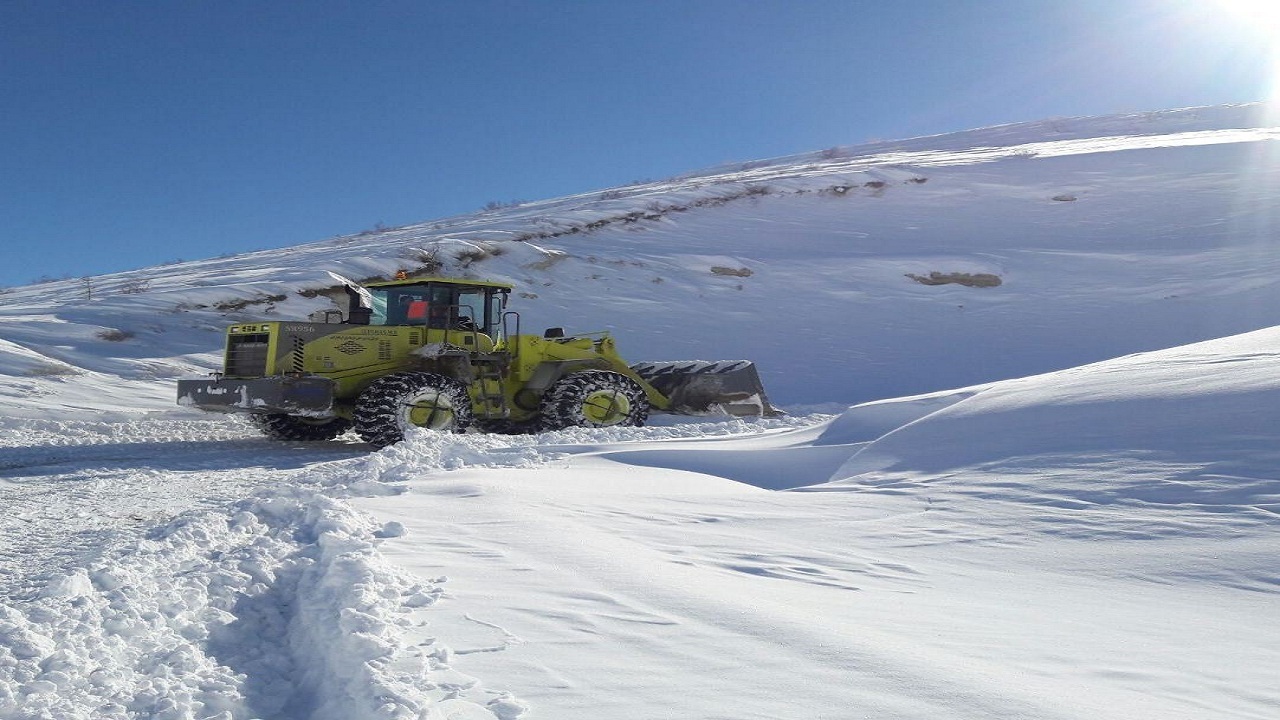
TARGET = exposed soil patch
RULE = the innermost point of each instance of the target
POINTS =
(966, 279)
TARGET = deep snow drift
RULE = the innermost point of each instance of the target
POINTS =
(998, 531)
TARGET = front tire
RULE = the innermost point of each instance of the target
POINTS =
(391, 405)
(278, 426)
(594, 398)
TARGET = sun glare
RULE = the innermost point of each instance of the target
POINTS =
(1262, 14)
(1262, 18)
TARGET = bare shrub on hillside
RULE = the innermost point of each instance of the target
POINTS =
(977, 280)
(115, 335)
(484, 251)
(652, 212)
(51, 370)
(233, 305)
(732, 272)
(547, 262)
(494, 205)
(427, 259)
(876, 187)
(135, 287)
(467, 258)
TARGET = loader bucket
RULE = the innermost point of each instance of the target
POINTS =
(696, 387)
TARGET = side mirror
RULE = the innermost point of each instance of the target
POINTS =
(553, 333)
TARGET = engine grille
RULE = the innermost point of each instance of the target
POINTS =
(247, 355)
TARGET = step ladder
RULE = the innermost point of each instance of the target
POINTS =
(491, 403)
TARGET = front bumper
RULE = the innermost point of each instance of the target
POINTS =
(290, 395)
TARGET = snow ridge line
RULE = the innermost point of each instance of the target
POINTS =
(278, 606)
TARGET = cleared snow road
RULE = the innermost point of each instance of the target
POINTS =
(75, 490)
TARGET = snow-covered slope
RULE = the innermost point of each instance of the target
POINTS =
(1106, 236)
(1070, 545)
(1095, 543)
(999, 530)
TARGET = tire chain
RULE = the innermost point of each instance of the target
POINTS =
(288, 427)
(379, 406)
(562, 405)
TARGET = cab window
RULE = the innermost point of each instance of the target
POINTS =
(437, 306)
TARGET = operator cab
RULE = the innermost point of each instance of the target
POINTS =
(439, 303)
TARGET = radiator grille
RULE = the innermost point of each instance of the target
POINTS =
(247, 355)
(299, 353)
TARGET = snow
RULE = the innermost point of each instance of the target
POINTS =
(1055, 497)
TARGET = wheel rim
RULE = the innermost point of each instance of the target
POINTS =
(432, 410)
(606, 407)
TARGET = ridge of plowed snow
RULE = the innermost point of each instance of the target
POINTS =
(275, 606)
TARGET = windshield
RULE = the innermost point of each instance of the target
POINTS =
(435, 305)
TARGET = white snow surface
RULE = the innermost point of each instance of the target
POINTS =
(1052, 497)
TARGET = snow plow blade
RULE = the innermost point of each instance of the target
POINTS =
(697, 387)
(278, 394)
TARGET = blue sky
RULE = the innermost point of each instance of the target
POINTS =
(140, 132)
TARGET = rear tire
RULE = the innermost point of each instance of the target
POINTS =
(594, 398)
(391, 405)
(292, 427)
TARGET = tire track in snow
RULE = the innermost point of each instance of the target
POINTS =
(75, 490)
(278, 606)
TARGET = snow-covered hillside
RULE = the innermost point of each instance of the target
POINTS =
(1054, 496)
(1107, 236)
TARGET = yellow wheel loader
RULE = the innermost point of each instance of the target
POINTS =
(445, 354)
